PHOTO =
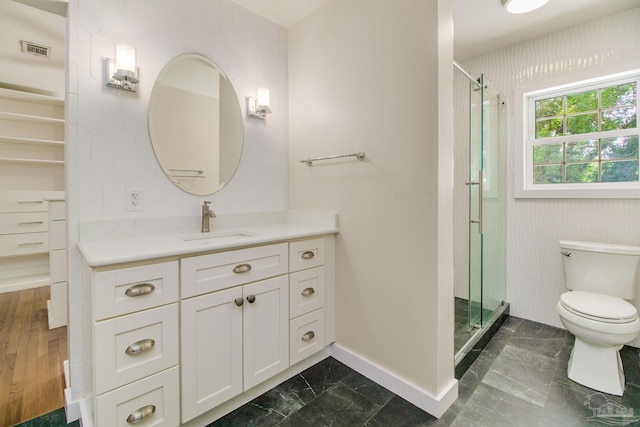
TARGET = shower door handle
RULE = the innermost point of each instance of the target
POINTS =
(479, 183)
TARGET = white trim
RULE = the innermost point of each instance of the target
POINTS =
(434, 405)
(522, 187)
(71, 407)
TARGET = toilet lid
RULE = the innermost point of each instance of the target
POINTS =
(599, 307)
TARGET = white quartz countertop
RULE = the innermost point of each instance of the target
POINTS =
(106, 243)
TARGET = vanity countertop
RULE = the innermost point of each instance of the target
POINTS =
(105, 243)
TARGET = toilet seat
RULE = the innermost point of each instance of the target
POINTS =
(602, 308)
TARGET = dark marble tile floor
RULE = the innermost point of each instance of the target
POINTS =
(518, 380)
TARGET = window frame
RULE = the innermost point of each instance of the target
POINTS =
(524, 133)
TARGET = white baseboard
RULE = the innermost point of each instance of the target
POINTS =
(22, 283)
(71, 407)
(54, 322)
(434, 405)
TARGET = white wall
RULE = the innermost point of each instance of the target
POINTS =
(371, 75)
(534, 226)
(108, 146)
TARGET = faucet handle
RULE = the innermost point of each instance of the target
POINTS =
(205, 203)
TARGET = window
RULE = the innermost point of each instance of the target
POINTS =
(581, 139)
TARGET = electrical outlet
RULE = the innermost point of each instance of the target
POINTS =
(135, 200)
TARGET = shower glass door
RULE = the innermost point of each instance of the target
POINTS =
(487, 202)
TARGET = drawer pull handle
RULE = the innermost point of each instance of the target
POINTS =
(140, 414)
(308, 254)
(242, 268)
(140, 347)
(239, 302)
(139, 289)
(251, 299)
(31, 222)
(31, 244)
(24, 202)
(308, 336)
(308, 291)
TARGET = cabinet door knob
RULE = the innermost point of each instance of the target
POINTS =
(239, 302)
(308, 291)
(139, 289)
(308, 336)
(308, 255)
(251, 299)
(242, 268)
(140, 414)
(140, 346)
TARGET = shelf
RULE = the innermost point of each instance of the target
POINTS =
(30, 140)
(30, 97)
(31, 161)
(32, 119)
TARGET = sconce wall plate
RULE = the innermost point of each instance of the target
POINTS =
(127, 81)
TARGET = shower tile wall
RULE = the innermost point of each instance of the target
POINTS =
(534, 226)
(109, 150)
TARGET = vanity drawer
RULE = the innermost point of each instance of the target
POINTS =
(306, 336)
(158, 396)
(132, 347)
(24, 244)
(131, 289)
(306, 254)
(208, 273)
(28, 222)
(306, 291)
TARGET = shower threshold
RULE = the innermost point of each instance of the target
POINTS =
(465, 357)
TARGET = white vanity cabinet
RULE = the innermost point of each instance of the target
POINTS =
(235, 338)
(186, 339)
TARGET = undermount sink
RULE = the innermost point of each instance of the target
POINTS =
(233, 234)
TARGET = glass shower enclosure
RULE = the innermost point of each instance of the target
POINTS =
(485, 188)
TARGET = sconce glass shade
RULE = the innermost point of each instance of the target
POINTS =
(259, 107)
(264, 103)
(122, 72)
(125, 63)
(523, 6)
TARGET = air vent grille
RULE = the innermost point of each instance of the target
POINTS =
(35, 49)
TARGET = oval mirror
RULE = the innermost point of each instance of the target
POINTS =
(195, 124)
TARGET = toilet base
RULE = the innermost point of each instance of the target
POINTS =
(597, 367)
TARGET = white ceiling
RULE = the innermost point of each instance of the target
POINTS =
(481, 26)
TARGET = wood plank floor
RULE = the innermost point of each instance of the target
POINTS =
(31, 356)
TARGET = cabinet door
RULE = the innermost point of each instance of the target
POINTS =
(211, 360)
(266, 329)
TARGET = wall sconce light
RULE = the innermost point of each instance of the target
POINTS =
(259, 107)
(121, 72)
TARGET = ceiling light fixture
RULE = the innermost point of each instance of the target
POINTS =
(523, 6)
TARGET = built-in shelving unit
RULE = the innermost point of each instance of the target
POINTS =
(31, 172)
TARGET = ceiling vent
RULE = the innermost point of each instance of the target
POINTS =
(35, 49)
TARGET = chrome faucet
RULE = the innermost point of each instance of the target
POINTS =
(206, 214)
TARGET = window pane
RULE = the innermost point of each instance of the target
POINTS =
(547, 154)
(622, 118)
(624, 147)
(547, 174)
(585, 101)
(549, 107)
(582, 172)
(619, 96)
(549, 128)
(582, 123)
(625, 171)
(582, 151)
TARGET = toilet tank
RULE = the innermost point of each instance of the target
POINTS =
(601, 268)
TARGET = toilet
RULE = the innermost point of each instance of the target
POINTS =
(602, 279)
